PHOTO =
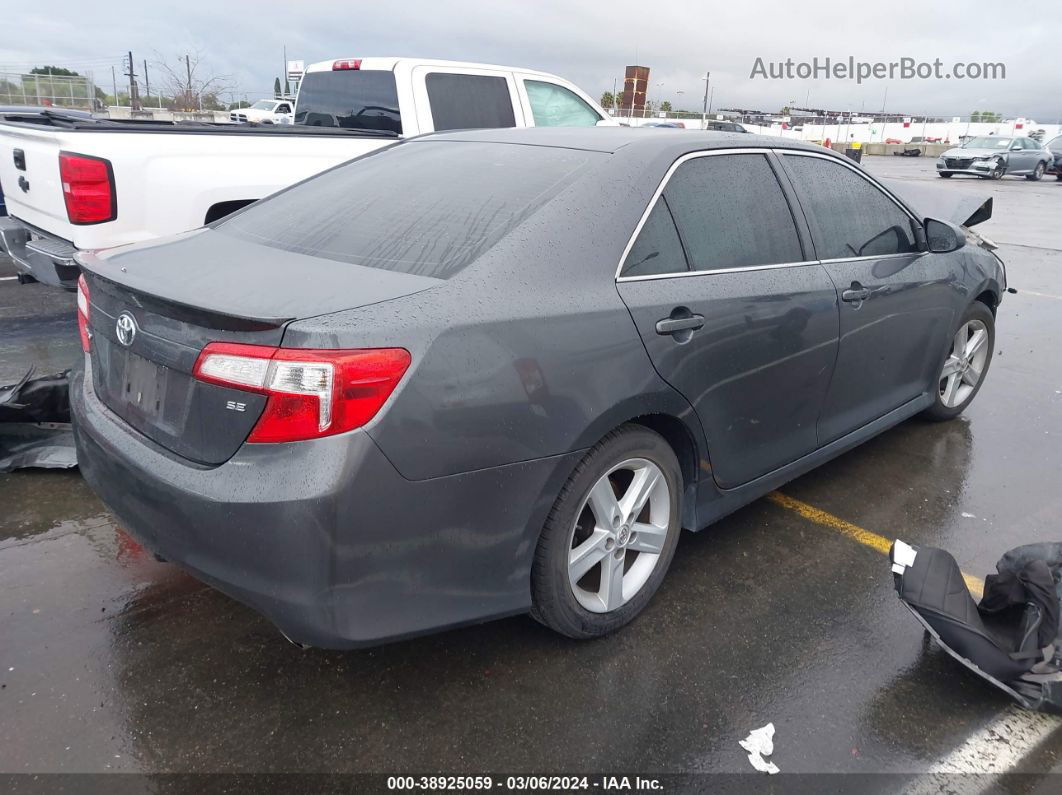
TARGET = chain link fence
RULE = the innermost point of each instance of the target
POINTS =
(59, 91)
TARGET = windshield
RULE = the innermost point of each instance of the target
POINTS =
(264, 104)
(354, 99)
(987, 142)
(428, 207)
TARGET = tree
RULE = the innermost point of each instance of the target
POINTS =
(665, 106)
(276, 86)
(188, 80)
(608, 100)
(57, 71)
(784, 111)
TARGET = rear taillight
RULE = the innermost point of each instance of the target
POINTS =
(88, 188)
(83, 312)
(345, 64)
(311, 393)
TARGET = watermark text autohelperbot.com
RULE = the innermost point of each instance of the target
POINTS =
(851, 69)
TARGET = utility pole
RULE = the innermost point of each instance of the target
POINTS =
(188, 69)
(114, 84)
(134, 99)
(704, 109)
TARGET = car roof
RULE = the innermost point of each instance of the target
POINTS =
(640, 140)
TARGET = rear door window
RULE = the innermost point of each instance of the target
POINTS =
(731, 213)
(352, 99)
(424, 207)
(851, 216)
(556, 106)
(657, 249)
(460, 102)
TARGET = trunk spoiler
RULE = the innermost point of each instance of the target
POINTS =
(943, 203)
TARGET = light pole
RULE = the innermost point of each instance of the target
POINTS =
(704, 110)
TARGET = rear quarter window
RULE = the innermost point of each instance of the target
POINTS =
(461, 102)
(426, 207)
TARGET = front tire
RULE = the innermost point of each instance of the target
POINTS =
(1038, 172)
(610, 537)
(998, 171)
(944, 174)
(965, 365)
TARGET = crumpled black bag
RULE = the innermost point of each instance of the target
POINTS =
(1021, 580)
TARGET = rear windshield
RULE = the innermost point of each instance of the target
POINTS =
(427, 208)
(352, 99)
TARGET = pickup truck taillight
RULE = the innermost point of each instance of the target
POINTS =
(311, 393)
(88, 188)
(83, 312)
(346, 64)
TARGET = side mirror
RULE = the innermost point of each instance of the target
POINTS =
(1015, 147)
(942, 237)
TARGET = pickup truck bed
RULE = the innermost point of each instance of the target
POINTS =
(208, 170)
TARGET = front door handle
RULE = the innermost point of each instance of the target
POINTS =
(673, 325)
(857, 294)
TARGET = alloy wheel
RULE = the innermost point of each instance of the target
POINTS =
(619, 535)
(965, 364)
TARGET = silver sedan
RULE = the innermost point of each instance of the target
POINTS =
(991, 157)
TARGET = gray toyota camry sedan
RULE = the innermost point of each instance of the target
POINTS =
(485, 373)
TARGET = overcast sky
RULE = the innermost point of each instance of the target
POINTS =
(588, 42)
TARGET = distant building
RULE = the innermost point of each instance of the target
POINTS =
(635, 82)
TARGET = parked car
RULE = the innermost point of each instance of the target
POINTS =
(725, 126)
(268, 111)
(446, 382)
(1054, 146)
(100, 183)
(991, 157)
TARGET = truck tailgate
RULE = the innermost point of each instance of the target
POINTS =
(29, 174)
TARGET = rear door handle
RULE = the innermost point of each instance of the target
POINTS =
(673, 325)
(856, 295)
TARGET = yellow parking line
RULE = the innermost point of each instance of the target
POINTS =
(855, 532)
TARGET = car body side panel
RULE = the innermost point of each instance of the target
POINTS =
(892, 344)
(757, 372)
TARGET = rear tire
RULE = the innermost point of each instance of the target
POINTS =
(944, 174)
(1037, 174)
(965, 364)
(602, 553)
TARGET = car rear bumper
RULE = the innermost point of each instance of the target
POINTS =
(325, 538)
(42, 257)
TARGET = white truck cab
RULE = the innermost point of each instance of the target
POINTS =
(412, 97)
(75, 183)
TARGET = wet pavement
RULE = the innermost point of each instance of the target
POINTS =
(111, 661)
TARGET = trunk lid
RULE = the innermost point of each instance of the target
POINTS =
(204, 287)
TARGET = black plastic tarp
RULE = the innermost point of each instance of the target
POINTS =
(35, 424)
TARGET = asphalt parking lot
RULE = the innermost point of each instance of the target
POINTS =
(784, 612)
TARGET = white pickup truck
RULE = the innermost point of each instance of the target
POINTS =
(269, 111)
(75, 183)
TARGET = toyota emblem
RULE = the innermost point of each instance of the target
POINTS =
(125, 329)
